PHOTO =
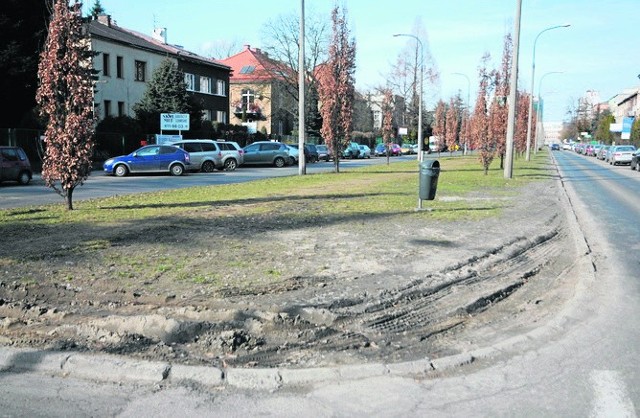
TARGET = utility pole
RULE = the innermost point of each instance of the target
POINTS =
(302, 164)
(513, 89)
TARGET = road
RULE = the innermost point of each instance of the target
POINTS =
(585, 364)
(99, 185)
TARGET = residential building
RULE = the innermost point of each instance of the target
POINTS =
(126, 60)
(261, 98)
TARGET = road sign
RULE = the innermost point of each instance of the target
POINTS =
(174, 121)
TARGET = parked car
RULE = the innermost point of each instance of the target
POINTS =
(407, 149)
(381, 150)
(555, 147)
(293, 154)
(205, 154)
(150, 159)
(595, 150)
(621, 154)
(567, 146)
(323, 152)
(365, 152)
(232, 154)
(15, 165)
(310, 152)
(635, 160)
(267, 152)
(395, 150)
(602, 153)
(352, 150)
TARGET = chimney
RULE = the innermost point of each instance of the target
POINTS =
(105, 19)
(160, 35)
(247, 46)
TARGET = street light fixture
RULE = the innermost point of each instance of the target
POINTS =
(420, 139)
(540, 122)
(533, 70)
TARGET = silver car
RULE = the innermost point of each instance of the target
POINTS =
(232, 154)
(621, 154)
(267, 152)
(205, 154)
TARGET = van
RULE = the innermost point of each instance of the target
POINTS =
(14, 165)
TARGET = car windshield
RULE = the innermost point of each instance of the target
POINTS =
(628, 148)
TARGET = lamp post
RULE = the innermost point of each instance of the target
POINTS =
(513, 88)
(420, 139)
(302, 167)
(533, 71)
(540, 122)
(464, 152)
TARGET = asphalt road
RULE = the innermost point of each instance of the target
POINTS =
(98, 185)
(583, 364)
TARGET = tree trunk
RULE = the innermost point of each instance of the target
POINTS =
(69, 198)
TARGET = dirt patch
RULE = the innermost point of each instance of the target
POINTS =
(214, 287)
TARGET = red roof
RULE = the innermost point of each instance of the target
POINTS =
(251, 65)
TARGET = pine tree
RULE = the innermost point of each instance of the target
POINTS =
(97, 9)
(337, 88)
(65, 97)
(166, 93)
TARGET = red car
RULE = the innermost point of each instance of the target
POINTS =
(395, 150)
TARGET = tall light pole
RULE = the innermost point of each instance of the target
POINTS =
(464, 152)
(420, 139)
(533, 71)
(513, 88)
(302, 166)
(540, 122)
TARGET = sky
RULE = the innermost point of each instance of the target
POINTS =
(599, 51)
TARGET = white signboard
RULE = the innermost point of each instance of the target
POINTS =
(403, 131)
(167, 139)
(174, 121)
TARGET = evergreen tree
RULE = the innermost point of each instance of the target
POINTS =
(166, 93)
(97, 9)
(65, 97)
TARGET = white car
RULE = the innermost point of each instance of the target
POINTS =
(621, 154)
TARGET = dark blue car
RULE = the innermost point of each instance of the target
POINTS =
(150, 159)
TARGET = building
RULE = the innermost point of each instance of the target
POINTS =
(126, 60)
(261, 97)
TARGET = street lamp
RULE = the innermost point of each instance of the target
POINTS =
(540, 122)
(464, 152)
(420, 139)
(533, 70)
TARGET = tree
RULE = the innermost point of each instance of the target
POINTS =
(452, 126)
(635, 133)
(439, 124)
(337, 87)
(499, 112)
(24, 32)
(522, 119)
(65, 97)
(97, 9)
(387, 120)
(166, 93)
(481, 139)
(603, 133)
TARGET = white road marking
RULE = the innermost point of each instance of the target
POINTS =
(610, 396)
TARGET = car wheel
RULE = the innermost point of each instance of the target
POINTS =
(279, 162)
(24, 178)
(177, 170)
(121, 170)
(208, 167)
(231, 164)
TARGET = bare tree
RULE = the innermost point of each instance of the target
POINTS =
(337, 87)
(65, 96)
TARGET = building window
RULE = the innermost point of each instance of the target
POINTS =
(206, 114)
(107, 108)
(205, 85)
(119, 61)
(221, 88)
(221, 116)
(105, 65)
(120, 108)
(248, 97)
(190, 80)
(141, 69)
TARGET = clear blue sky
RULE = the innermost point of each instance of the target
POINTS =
(600, 51)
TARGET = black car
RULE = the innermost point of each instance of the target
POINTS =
(555, 147)
(310, 152)
(635, 160)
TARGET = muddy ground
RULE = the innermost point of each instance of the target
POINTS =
(270, 290)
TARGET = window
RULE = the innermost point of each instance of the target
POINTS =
(247, 69)
(221, 88)
(120, 108)
(105, 65)
(107, 108)
(119, 62)
(205, 85)
(190, 80)
(206, 114)
(221, 116)
(141, 69)
(248, 96)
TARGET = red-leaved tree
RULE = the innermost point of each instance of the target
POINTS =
(522, 118)
(337, 88)
(482, 141)
(439, 125)
(452, 126)
(65, 99)
(499, 112)
(387, 120)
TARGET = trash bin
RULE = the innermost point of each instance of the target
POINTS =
(429, 172)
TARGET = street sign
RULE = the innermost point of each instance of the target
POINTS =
(174, 121)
